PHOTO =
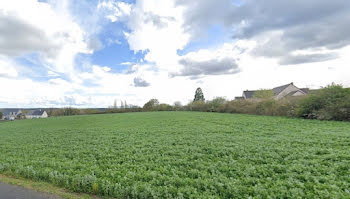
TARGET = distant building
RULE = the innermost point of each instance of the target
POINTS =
(36, 114)
(12, 114)
(279, 92)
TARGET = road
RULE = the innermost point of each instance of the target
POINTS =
(16, 192)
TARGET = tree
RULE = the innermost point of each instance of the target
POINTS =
(177, 106)
(125, 104)
(263, 94)
(1, 114)
(151, 105)
(164, 107)
(115, 104)
(199, 96)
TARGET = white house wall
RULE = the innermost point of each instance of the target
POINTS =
(44, 115)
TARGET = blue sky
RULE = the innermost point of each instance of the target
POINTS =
(89, 53)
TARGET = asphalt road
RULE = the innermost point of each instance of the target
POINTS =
(16, 192)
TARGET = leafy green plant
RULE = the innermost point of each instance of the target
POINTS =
(182, 155)
(330, 103)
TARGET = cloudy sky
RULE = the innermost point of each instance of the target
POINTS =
(87, 53)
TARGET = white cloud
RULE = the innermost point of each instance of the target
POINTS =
(7, 68)
(156, 27)
(160, 28)
(116, 10)
(47, 29)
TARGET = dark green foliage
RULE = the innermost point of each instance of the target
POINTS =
(330, 103)
(181, 155)
(151, 105)
(164, 107)
(1, 115)
(197, 106)
(199, 96)
(65, 112)
(130, 109)
(216, 105)
(285, 107)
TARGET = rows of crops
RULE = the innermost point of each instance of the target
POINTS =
(182, 155)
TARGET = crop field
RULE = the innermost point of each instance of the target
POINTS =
(181, 155)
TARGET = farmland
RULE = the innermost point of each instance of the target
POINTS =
(181, 155)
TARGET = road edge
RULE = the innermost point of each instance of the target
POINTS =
(43, 187)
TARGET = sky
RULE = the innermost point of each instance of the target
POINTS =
(88, 53)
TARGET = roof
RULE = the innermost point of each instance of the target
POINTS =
(292, 93)
(8, 111)
(279, 89)
(276, 91)
(305, 90)
(248, 94)
(36, 112)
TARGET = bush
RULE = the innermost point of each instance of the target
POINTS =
(164, 107)
(151, 105)
(267, 106)
(197, 106)
(178, 106)
(240, 106)
(330, 103)
(65, 112)
(216, 105)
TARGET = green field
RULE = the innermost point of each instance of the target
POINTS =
(182, 155)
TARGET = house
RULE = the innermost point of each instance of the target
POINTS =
(279, 92)
(37, 114)
(12, 114)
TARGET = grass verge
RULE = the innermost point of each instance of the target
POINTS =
(43, 187)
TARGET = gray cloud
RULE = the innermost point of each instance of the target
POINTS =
(18, 37)
(195, 69)
(5, 75)
(202, 14)
(139, 82)
(305, 25)
(94, 44)
(301, 59)
(159, 21)
(261, 16)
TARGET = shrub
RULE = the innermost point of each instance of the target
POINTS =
(178, 106)
(330, 103)
(164, 107)
(151, 105)
(216, 105)
(65, 112)
(240, 106)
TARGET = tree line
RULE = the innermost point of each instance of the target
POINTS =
(329, 103)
